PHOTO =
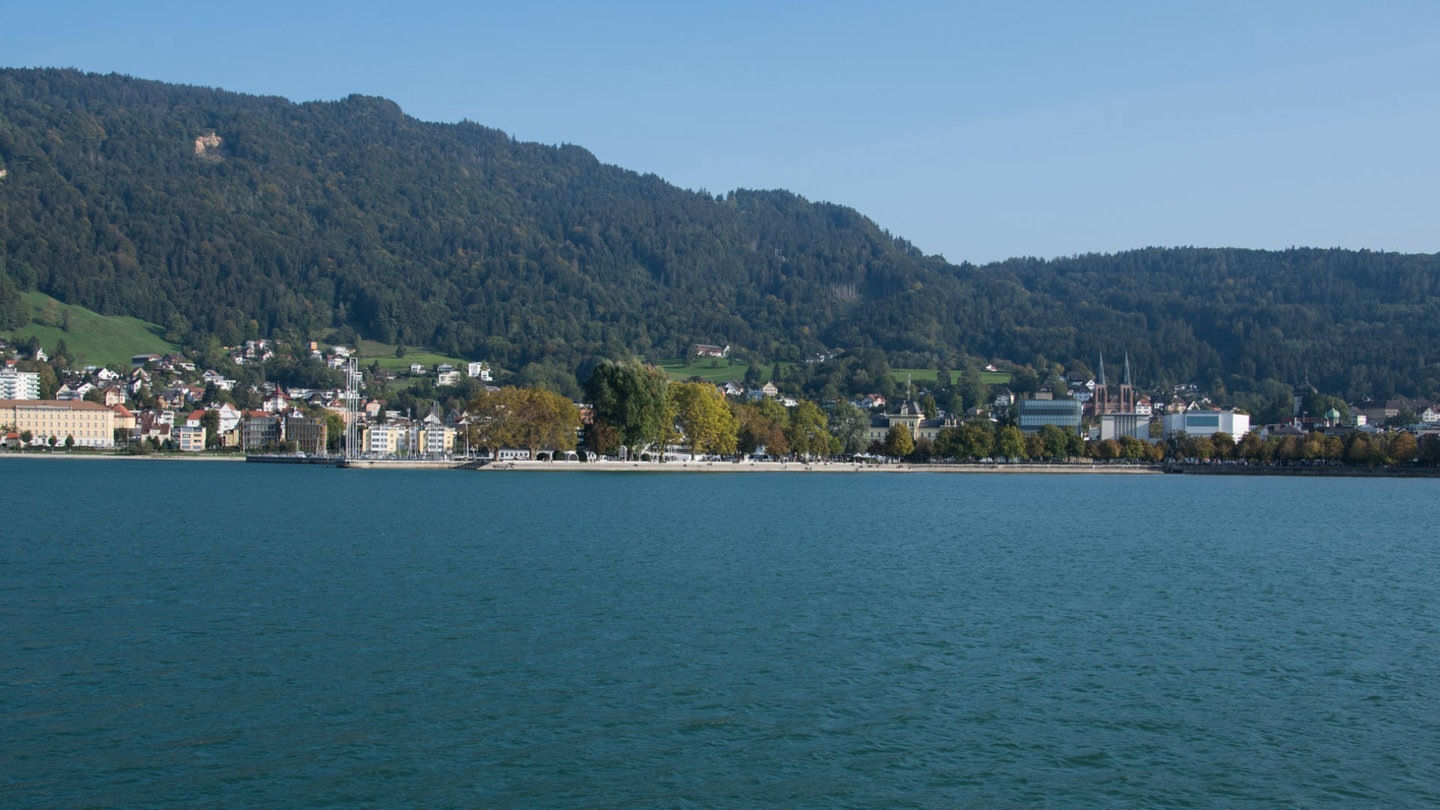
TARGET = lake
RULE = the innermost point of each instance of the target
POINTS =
(182, 634)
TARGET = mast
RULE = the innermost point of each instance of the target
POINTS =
(352, 409)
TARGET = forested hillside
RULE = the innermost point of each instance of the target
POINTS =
(228, 216)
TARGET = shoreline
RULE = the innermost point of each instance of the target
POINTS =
(123, 456)
(729, 467)
(809, 467)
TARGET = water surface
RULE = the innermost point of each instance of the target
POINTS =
(213, 635)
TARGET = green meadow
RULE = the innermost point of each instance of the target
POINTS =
(90, 338)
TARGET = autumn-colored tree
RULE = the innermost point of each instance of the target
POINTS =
(705, 417)
(899, 441)
(807, 431)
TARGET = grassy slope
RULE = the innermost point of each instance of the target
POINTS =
(384, 354)
(92, 338)
(715, 370)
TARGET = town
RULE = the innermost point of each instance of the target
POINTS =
(169, 404)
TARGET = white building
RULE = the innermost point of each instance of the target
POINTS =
(1119, 425)
(16, 384)
(1197, 422)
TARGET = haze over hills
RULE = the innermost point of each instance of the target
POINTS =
(228, 216)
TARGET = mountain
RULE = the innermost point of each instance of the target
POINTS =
(228, 216)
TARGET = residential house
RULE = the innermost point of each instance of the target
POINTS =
(229, 429)
(705, 350)
(277, 402)
(190, 437)
(126, 425)
(215, 378)
(260, 430)
(435, 437)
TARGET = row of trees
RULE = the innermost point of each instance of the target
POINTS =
(637, 409)
(1354, 448)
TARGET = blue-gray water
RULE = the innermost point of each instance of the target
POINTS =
(220, 635)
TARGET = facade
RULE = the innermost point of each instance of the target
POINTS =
(310, 435)
(189, 438)
(16, 384)
(259, 429)
(384, 440)
(90, 424)
(1120, 425)
(911, 416)
(1037, 413)
(1198, 422)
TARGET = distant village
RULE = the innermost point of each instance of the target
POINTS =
(98, 408)
(95, 408)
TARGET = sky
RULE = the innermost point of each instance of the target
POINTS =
(975, 131)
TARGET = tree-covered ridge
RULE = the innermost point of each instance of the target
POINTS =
(299, 220)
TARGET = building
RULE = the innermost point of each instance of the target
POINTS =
(384, 439)
(89, 424)
(1120, 400)
(1037, 413)
(1198, 422)
(16, 384)
(310, 435)
(189, 438)
(706, 350)
(1120, 425)
(912, 416)
(260, 430)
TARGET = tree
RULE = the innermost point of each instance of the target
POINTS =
(849, 425)
(69, 438)
(1402, 448)
(1010, 442)
(1224, 444)
(752, 376)
(1054, 441)
(531, 418)
(14, 313)
(705, 417)
(631, 399)
(899, 441)
(807, 431)
(759, 430)
(977, 440)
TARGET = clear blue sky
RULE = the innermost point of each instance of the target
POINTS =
(978, 131)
